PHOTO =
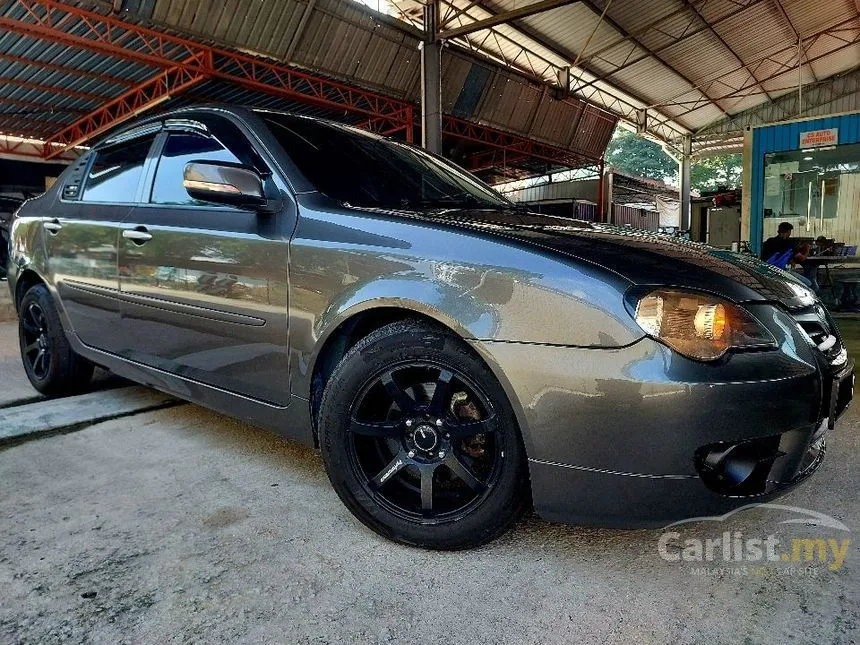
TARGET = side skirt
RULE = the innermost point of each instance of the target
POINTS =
(292, 421)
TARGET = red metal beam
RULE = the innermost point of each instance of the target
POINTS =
(132, 102)
(52, 20)
(387, 126)
(185, 62)
(512, 143)
(495, 159)
(30, 148)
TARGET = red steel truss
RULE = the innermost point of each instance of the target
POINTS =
(183, 63)
(75, 27)
(512, 146)
(30, 148)
(128, 104)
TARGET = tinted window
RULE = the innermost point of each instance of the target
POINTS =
(363, 169)
(115, 173)
(178, 151)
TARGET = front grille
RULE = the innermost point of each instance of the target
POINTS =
(836, 386)
(817, 324)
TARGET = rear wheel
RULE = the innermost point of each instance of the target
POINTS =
(51, 365)
(420, 441)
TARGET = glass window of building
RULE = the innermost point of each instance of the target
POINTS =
(817, 190)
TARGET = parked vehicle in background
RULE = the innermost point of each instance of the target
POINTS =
(453, 357)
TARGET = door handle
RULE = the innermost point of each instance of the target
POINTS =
(138, 235)
(52, 226)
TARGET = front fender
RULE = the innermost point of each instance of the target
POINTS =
(482, 287)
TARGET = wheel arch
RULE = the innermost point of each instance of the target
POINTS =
(362, 321)
(351, 327)
(25, 281)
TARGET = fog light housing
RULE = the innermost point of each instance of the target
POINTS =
(739, 469)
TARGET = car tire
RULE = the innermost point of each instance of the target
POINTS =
(413, 469)
(51, 365)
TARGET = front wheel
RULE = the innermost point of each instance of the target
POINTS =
(51, 365)
(420, 441)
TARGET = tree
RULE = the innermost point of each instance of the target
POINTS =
(635, 155)
(711, 173)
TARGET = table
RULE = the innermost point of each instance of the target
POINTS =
(828, 261)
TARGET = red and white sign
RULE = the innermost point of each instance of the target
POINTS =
(818, 138)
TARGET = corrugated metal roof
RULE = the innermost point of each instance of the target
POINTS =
(666, 55)
(49, 86)
(653, 53)
(344, 41)
(45, 86)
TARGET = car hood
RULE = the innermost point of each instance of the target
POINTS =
(642, 257)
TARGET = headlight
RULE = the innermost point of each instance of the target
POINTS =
(699, 325)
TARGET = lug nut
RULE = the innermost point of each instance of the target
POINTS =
(441, 454)
(410, 454)
(408, 423)
(439, 422)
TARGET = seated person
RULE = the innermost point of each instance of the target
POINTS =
(780, 251)
(823, 246)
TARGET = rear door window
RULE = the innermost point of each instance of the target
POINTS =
(180, 149)
(115, 173)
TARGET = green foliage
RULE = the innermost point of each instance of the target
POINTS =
(635, 155)
(710, 173)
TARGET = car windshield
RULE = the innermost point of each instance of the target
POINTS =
(363, 169)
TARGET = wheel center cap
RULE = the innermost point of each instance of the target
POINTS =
(425, 437)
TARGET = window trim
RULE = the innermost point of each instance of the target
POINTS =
(190, 126)
(139, 133)
(279, 175)
(156, 151)
(179, 126)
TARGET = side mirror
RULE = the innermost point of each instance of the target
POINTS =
(223, 183)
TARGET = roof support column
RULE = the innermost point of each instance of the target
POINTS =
(431, 80)
(684, 175)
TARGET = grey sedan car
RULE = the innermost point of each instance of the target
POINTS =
(454, 358)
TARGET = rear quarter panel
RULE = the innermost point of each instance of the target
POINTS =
(26, 242)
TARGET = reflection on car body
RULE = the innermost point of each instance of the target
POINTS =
(453, 357)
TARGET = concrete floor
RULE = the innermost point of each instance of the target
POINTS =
(14, 386)
(13, 382)
(182, 525)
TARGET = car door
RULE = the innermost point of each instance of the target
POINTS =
(82, 230)
(204, 287)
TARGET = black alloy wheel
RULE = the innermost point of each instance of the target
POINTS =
(420, 441)
(36, 344)
(51, 365)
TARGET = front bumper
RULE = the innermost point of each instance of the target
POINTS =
(625, 500)
(634, 436)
